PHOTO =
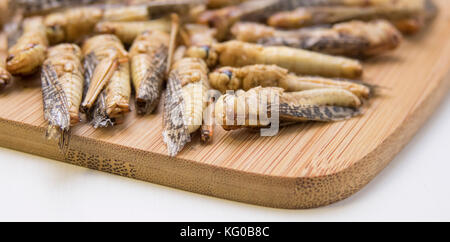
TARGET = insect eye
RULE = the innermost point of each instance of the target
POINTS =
(228, 73)
(206, 49)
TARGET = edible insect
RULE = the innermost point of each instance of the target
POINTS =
(149, 56)
(354, 38)
(248, 77)
(185, 101)
(257, 107)
(62, 89)
(316, 15)
(237, 54)
(107, 77)
(73, 24)
(128, 31)
(28, 54)
(34, 7)
(200, 39)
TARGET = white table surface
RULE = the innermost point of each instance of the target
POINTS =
(415, 186)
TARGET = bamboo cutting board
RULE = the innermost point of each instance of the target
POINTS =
(304, 166)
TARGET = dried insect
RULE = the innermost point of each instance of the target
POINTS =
(128, 31)
(354, 38)
(222, 19)
(34, 7)
(257, 107)
(62, 89)
(73, 24)
(28, 54)
(200, 39)
(185, 101)
(248, 77)
(107, 92)
(316, 15)
(149, 56)
(236, 53)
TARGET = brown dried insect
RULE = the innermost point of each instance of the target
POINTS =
(39, 7)
(128, 31)
(185, 101)
(28, 54)
(248, 77)
(73, 24)
(62, 89)
(354, 38)
(393, 10)
(237, 54)
(149, 56)
(107, 89)
(260, 107)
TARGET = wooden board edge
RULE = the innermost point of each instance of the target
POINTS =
(269, 191)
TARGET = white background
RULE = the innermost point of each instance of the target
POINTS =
(415, 186)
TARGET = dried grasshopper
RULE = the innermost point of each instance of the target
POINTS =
(28, 54)
(107, 76)
(62, 89)
(200, 39)
(237, 53)
(149, 56)
(248, 77)
(73, 24)
(185, 102)
(354, 38)
(35, 7)
(345, 11)
(128, 31)
(260, 107)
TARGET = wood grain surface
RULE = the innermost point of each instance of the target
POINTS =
(305, 165)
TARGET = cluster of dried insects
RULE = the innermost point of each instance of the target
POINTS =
(288, 59)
